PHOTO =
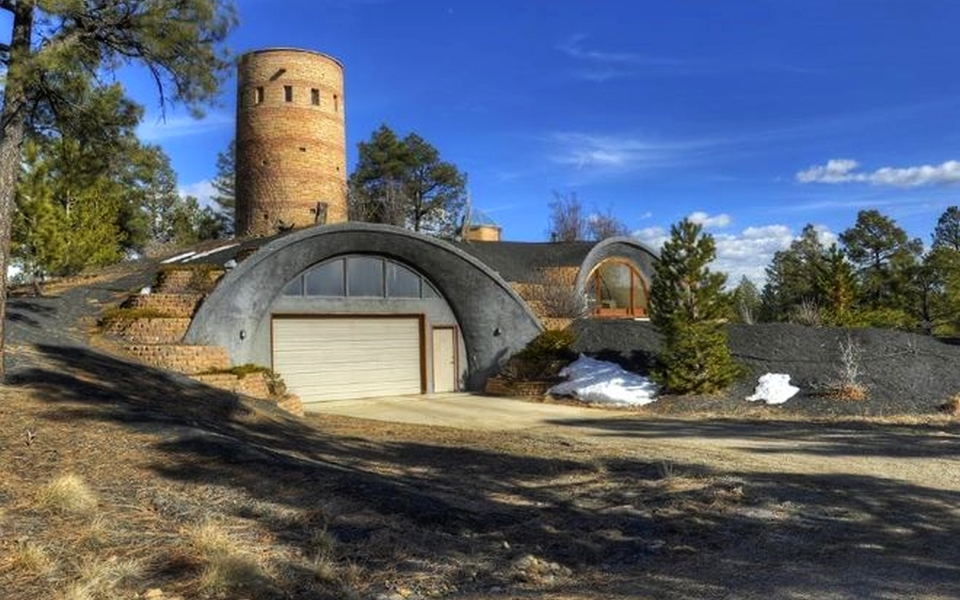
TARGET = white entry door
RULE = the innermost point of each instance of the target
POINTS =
(444, 359)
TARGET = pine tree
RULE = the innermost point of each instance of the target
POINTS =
(225, 183)
(688, 307)
(792, 276)
(884, 256)
(745, 301)
(404, 183)
(55, 48)
(836, 286)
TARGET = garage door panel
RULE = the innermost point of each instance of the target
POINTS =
(335, 358)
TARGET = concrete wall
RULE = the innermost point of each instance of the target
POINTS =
(290, 154)
(494, 321)
(641, 255)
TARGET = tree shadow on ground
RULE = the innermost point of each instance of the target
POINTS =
(621, 520)
(837, 437)
(20, 310)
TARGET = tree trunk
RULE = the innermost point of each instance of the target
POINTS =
(12, 119)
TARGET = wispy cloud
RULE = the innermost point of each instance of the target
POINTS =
(844, 170)
(574, 47)
(602, 65)
(621, 152)
(157, 129)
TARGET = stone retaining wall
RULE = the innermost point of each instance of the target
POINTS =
(189, 360)
(187, 280)
(154, 330)
(173, 305)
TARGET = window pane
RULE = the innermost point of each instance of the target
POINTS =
(402, 282)
(429, 291)
(615, 285)
(325, 280)
(294, 288)
(364, 276)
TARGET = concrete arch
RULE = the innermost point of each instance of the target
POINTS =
(640, 254)
(494, 321)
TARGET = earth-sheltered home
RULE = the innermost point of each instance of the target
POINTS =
(343, 309)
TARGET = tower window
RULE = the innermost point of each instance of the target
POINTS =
(258, 95)
(288, 93)
(315, 97)
(336, 103)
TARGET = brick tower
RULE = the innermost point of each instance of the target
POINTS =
(291, 161)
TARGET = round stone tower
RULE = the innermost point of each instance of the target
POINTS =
(291, 161)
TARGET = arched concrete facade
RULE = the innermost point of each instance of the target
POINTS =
(640, 254)
(494, 322)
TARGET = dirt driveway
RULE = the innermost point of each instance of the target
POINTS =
(709, 507)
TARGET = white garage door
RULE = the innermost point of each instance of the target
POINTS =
(348, 357)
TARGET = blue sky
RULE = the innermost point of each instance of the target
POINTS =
(754, 117)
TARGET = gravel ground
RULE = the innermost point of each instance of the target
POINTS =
(903, 373)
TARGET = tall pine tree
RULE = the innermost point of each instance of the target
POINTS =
(689, 308)
(54, 47)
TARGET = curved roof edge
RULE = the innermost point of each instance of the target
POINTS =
(322, 230)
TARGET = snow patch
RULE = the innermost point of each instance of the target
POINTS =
(774, 388)
(604, 382)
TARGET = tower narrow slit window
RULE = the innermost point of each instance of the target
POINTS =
(288, 93)
(315, 97)
(258, 95)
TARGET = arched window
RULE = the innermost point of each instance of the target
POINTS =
(360, 276)
(616, 288)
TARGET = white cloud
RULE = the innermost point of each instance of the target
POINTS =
(157, 129)
(844, 170)
(747, 253)
(652, 236)
(203, 191)
(702, 218)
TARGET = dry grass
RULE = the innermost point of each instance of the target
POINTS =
(847, 385)
(376, 509)
(99, 578)
(67, 494)
(26, 558)
(226, 565)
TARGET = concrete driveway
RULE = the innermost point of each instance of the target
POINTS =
(460, 410)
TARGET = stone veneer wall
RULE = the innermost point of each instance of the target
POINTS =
(290, 141)
(174, 305)
(188, 360)
(147, 330)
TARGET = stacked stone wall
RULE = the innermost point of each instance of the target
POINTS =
(189, 360)
(172, 305)
(160, 330)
